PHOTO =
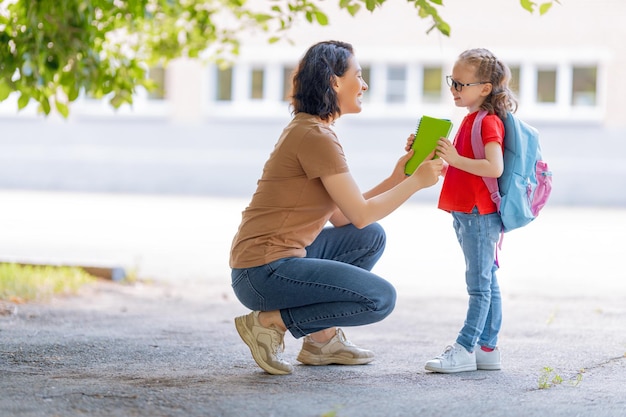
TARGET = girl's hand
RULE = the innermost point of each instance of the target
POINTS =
(409, 142)
(447, 151)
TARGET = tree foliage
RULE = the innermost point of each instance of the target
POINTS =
(52, 51)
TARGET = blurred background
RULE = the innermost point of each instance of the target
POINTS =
(206, 132)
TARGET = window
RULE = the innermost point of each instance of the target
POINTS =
(546, 86)
(584, 86)
(366, 73)
(515, 77)
(225, 84)
(288, 73)
(256, 86)
(431, 85)
(157, 76)
(396, 84)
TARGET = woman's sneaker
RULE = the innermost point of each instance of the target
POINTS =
(487, 361)
(337, 350)
(454, 359)
(266, 344)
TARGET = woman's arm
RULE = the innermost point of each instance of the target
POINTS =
(396, 177)
(364, 209)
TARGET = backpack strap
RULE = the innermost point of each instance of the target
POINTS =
(492, 183)
(479, 153)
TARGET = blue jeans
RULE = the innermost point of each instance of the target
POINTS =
(331, 286)
(478, 236)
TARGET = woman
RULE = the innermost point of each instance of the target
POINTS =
(291, 270)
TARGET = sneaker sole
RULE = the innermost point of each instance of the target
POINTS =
(248, 339)
(466, 368)
(316, 360)
(488, 367)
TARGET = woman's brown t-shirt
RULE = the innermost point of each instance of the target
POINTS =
(290, 206)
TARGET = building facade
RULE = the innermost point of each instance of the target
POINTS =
(567, 65)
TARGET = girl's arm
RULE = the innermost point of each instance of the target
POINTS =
(492, 166)
(364, 209)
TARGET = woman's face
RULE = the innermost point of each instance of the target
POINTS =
(350, 88)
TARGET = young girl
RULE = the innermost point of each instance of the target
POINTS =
(479, 81)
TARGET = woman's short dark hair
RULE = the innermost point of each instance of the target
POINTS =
(314, 77)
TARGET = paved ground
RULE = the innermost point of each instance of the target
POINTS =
(168, 347)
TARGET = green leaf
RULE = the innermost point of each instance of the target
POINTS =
(321, 17)
(444, 28)
(23, 101)
(44, 105)
(262, 18)
(543, 9)
(5, 90)
(528, 5)
(371, 4)
(354, 9)
(63, 109)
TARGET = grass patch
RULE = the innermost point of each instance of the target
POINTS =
(22, 283)
(549, 378)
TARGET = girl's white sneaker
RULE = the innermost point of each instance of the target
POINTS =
(454, 359)
(488, 361)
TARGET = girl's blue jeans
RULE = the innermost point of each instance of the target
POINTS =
(331, 286)
(478, 236)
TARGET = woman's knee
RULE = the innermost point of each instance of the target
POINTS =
(373, 241)
(376, 234)
(386, 300)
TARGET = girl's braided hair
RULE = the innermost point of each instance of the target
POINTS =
(490, 69)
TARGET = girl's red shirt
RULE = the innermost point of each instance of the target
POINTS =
(462, 191)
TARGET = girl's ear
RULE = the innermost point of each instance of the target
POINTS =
(486, 90)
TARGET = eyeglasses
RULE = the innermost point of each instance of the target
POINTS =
(459, 86)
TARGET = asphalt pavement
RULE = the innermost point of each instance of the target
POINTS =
(167, 346)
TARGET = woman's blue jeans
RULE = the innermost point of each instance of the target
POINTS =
(478, 236)
(331, 286)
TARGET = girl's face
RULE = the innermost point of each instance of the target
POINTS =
(471, 96)
(350, 88)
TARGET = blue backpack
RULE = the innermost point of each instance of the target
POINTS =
(526, 182)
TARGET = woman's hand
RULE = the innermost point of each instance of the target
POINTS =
(398, 174)
(428, 172)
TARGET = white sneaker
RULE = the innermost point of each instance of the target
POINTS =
(454, 359)
(337, 350)
(487, 361)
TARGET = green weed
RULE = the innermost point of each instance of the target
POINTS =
(549, 378)
(22, 283)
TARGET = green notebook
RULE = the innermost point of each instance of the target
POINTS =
(427, 134)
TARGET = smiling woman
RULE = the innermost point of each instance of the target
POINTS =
(294, 273)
